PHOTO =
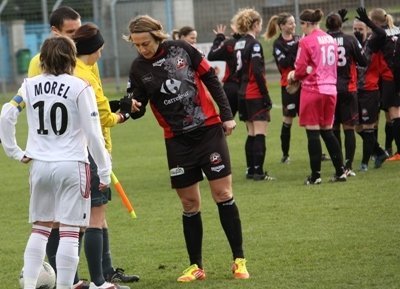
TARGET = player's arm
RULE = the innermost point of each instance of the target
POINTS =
(359, 55)
(301, 63)
(284, 56)
(90, 122)
(136, 99)
(8, 120)
(259, 74)
(218, 51)
(210, 80)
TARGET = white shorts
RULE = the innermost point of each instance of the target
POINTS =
(60, 192)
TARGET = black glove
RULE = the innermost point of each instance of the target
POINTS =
(125, 105)
(343, 13)
(114, 105)
(359, 36)
(267, 102)
(363, 17)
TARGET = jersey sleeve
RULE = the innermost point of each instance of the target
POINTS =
(134, 91)
(90, 121)
(284, 56)
(34, 66)
(8, 120)
(256, 59)
(218, 49)
(359, 54)
(302, 60)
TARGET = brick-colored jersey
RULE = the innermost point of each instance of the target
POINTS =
(350, 55)
(284, 52)
(172, 81)
(251, 69)
(224, 50)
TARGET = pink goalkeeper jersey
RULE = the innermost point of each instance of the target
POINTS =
(316, 62)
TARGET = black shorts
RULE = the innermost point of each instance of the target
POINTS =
(98, 197)
(346, 111)
(231, 90)
(202, 150)
(368, 106)
(290, 102)
(389, 96)
(253, 110)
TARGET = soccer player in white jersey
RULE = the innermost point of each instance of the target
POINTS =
(63, 123)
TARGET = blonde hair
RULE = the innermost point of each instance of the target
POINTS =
(274, 24)
(245, 19)
(380, 16)
(145, 23)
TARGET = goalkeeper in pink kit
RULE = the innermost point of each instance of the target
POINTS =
(316, 67)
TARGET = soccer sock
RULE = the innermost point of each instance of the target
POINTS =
(94, 250)
(388, 134)
(230, 221)
(285, 138)
(369, 143)
(76, 279)
(107, 262)
(193, 232)
(52, 246)
(249, 154)
(350, 147)
(396, 133)
(259, 150)
(35, 251)
(314, 152)
(336, 132)
(333, 148)
(67, 256)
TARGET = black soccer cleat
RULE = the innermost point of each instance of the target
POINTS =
(119, 276)
(311, 181)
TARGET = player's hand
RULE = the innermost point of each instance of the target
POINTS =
(343, 13)
(125, 109)
(136, 105)
(229, 126)
(290, 77)
(363, 16)
(25, 160)
(103, 187)
(220, 29)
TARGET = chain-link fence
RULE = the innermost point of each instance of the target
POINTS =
(24, 24)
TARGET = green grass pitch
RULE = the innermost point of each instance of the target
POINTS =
(331, 236)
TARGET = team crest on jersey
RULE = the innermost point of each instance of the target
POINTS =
(171, 86)
(147, 78)
(180, 63)
(256, 47)
(215, 158)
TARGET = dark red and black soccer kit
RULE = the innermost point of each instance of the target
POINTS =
(350, 55)
(254, 99)
(253, 84)
(224, 50)
(172, 82)
(284, 52)
(369, 102)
